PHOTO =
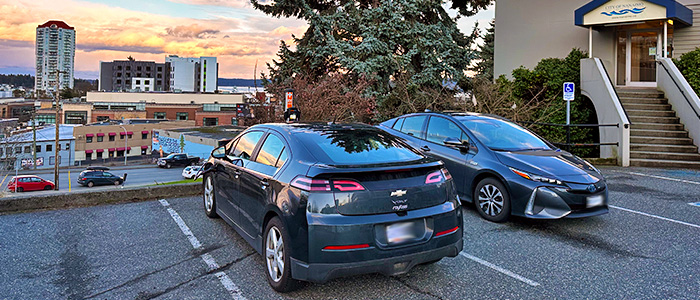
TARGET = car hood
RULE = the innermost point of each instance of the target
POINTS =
(560, 165)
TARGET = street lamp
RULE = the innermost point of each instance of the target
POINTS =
(126, 141)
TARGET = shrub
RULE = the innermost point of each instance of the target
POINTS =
(689, 65)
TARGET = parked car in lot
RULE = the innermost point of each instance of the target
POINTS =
(98, 176)
(191, 172)
(321, 201)
(26, 183)
(177, 159)
(505, 168)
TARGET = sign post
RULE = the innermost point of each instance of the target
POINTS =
(569, 95)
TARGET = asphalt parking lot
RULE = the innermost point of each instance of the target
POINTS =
(647, 247)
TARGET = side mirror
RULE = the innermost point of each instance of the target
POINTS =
(456, 143)
(219, 152)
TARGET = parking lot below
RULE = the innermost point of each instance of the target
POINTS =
(645, 248)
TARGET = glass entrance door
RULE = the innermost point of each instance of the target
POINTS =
(642, 49)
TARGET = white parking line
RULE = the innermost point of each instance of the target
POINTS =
(499, 269)
(206, 257)
(662, 177)
(654, 216)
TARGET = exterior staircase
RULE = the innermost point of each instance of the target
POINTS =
(657, 138)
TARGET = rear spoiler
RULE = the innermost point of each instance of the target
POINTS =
(318, 169)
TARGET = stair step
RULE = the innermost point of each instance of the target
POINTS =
(656, 126)
(644, 100)
(656, 94)
(660, 140)
(664, 148)
(659, 133)
(665, 155)
(659, 120)
(650, 113)
(642, 106)
(656, 163)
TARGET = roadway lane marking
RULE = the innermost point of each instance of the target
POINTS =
(499, 269)
(661, 177)
(654, 216)
(206, 257)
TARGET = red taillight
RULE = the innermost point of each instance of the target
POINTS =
(347, 185)
(447, 231)
(347, 247)
(446, 173)
(434, 177)
(312, 185)
(85, 178)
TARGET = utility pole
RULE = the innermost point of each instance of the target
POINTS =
(57, 159)
(34, 140)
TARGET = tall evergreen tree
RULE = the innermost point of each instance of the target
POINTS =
(484, 68)
(380, 39)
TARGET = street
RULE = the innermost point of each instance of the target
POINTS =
(138, 175)
(645, 248)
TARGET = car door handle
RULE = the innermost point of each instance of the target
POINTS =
(425, 148)
(264, 184)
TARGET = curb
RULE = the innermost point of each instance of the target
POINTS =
(93, 198)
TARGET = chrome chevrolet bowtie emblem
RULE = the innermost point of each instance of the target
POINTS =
(398, 193)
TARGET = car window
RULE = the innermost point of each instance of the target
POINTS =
(283, 158)
(36, 179)
(413, 126)
(398, 124)
(500, 135)
(440, 129)
(270, 151)
(25, 179)
(246, 144)
(107, 174)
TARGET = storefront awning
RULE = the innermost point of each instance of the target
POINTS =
(605, 12)
(88, 151)
(144, 132)
(100, 150)
(89, 135)
(144, 147)
(100, 134)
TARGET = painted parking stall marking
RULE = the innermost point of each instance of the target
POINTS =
(500, 269)
(697, 204)
(654, 216)
(206, 257)
(661, 177)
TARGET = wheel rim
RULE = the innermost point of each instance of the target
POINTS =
(491, 200)
(208, 195)
(274, 254)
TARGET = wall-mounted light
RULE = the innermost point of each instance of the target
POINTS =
(670, 22)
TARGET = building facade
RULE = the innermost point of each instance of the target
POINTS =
(134, 75)
(190, 74)
(55, 50)
(199, 142)
(17, 151)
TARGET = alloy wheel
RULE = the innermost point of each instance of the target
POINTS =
(208, 195)
(274, 254)
(490, 200)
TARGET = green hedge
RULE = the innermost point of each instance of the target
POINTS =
(689, 65)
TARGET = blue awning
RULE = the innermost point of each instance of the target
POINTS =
(681, 15)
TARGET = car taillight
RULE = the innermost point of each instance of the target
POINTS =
(83, 178)
(312, 185)
(347, 247)
(347, 185)
(323, 185)
(434, 177)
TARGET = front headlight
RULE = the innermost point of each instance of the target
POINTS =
(533, 177)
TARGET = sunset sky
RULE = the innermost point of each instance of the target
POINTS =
(151, 29)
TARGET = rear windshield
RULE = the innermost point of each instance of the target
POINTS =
(356, 146)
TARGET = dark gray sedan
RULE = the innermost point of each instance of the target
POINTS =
(505, 168)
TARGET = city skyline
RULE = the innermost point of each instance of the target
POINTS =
(113, 30)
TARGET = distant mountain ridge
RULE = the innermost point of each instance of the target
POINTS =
(238, 82)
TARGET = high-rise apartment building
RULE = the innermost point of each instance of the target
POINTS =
(134, 75)
(55, 50)
(191, 74)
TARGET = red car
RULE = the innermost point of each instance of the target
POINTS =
(29, 183)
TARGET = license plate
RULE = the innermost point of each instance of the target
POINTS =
(594, 201)
(399, 232)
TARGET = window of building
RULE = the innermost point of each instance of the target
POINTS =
(128, 75)
(111, 153)
(159, 75)
(119, 68)
(1, 152)
(88, 139)
(130, 135)
(128, 68)
(27, 149)
(120, 153)
(211, 121)
(119, 74)
(111, 138)
(183, 116)
(52, 160)
(148, 68)
(138, 81)
(159, 115)
(18, 150)
(138, 68)
(100, 138)
(88, 156)
(38, 148)
(121, 136)
(143, 151)
(144, 136)
(160, 69)
(49, 148)
(138, 74)
(99, 155)
(102, 118)
(234, 121)
(68, 146)
(146, 82)
(119, 81)
(146, 89)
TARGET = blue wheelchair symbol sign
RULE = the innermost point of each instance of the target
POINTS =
(569, 89)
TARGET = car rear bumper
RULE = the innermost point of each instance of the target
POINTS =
(322, 272)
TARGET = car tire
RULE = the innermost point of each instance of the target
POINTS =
(168, 166)
(117, 183)
(209, 197)
(90, 184)
(19, 189)
(492, 200)
(47, 188)
(276, 242)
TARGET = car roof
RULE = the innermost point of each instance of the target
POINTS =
(313, 126)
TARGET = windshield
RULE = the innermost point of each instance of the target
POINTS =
(348, 147)
(500, 135)
(170, 156)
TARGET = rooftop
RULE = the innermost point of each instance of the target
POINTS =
(59, 24)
